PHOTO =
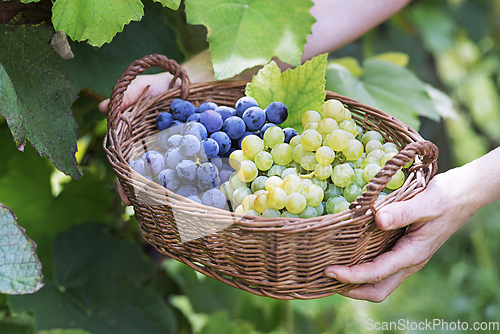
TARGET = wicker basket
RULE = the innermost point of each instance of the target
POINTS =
(282, 258)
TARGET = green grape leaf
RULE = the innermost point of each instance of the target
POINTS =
(246, 33)
(20, 269)
(64, 331)
(385, 86)
(95, 21)
(98, 287)
(300, 89)
(172, 4)
(221, 323)
(99, 68)
(35, 95)
(25, 188)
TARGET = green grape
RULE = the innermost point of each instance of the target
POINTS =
(251, 145)
(252, 213)
(350, 136)
(326, 126)
(236, 157)
(297, 166)
(309, 212)
(373, 145)
(378, 154)
(369, 160)
(310, 116)
(371, 135)
(313, 194)
(381, 196)
(341, 206)
(370, 171)
(308, 161)
(390, 147)
(239, 209)
(343, 175)
(227, 190)
(351, 192)
(273, 182)
(239, 194)
(276, 198)
(298, 152)
(276, 170)
(322, 183)
(325, 155)
(396, 180)
(357, 163)
(295, 203)
(264, 160)
(333, 202)
(288, 214)
(273, 136)
(347, 116)
(354, 150)
(289, 171)
(333, 109)
(349, 126)
(323, 172)
(311, 126)
(304, 183)
(325, 140)
(248, 202)
(338, 140)
(292, 183)
(236, 182)
(271, 213)
(387, 157)
(295, 141)
(259, 183)
(332, 190)
(260, 203)
(282, 154)
(261, 192)
(359, 179)
(360, 134)
(247, 171)
(311, 140)
(320, 208)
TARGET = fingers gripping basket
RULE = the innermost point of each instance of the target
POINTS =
(282, 258)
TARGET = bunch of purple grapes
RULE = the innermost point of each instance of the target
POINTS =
(194, 144)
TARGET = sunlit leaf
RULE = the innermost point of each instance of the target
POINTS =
(246, 33)
(35, 95)
(397, 58)
(300, 89)
(172, 4)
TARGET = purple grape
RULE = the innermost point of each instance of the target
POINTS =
(168, 179)
(212, 120)
(244, 103)
(214, 198)
(223, 140)
(276, 112)
(173, 157)
(176, 127)
(183, 110)
(207, 106)
(195, 198)
(187, 190)
(289, 134)
(138, 166)
(154, 162)
(194, 118)
(210, 148)
(163, 120)
(173, 141)
(186, 170)
(196, 129)
(217, 161)
(224, 175)
(225, 112)
(254, 118)
(207, 174)
(189, 145)
(234, 126)
(174, 102)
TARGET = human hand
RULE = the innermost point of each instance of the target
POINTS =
(448, 201)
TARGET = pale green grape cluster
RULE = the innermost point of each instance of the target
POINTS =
(319, 171)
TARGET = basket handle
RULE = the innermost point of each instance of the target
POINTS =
(426, 149)
(138, 67)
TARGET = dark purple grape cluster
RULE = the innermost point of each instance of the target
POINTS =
(194, 144)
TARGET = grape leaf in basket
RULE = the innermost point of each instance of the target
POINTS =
(95, 21)
(300, 89)
(246, 33)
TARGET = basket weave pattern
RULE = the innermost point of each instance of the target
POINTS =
(283, 258)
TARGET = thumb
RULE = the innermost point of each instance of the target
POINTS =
(400, 214)
(103, 106)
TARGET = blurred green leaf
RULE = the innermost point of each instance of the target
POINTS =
(97, 287)
(246, 33)
(351, 63)
(36, 96)
(397, 58)
(95, 21)
(20, 269)
(300, 89)
(220, 323)
(386, 86)
(100, 68)
(64, 331)
(173, 4)
(22, 323)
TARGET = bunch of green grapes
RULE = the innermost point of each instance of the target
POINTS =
(319, 171)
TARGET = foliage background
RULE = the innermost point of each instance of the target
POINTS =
(101, 277)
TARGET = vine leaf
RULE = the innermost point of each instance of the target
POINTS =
(95, 21)
(35, 95)
(172, 4)
(246, 33)
(98, 286)
(300, 89)
(20, 269)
